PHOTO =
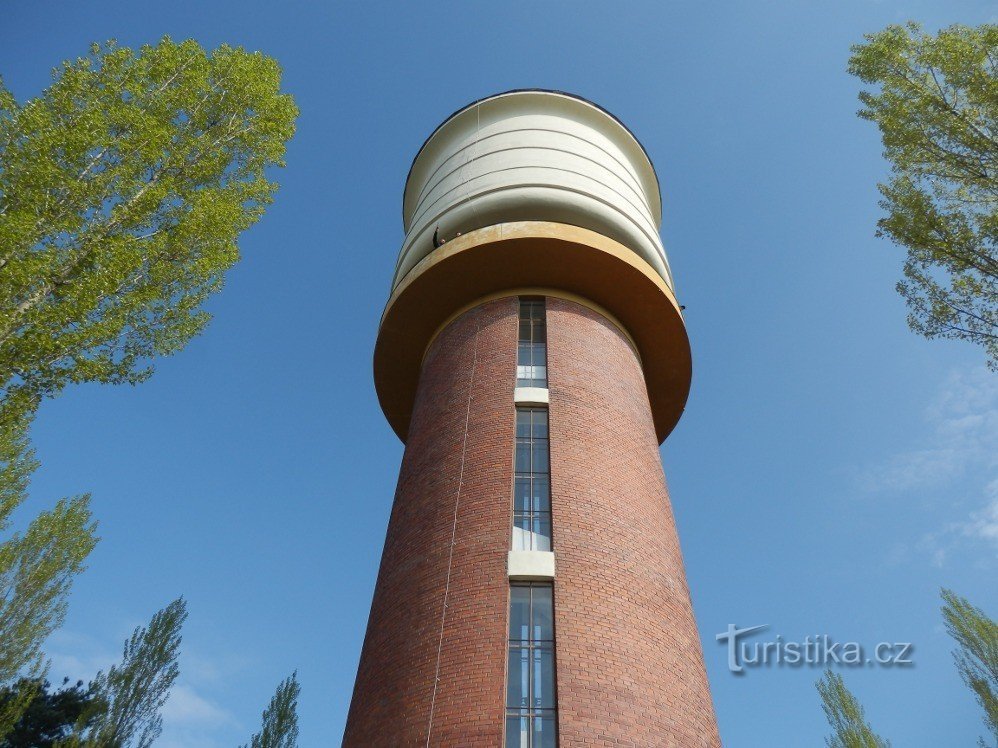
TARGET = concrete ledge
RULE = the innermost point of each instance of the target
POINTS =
(531, 565)
(530, 395)
(499, 261)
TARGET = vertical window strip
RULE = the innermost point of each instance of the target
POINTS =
(532, 482)
(531, 717)
(531, 352)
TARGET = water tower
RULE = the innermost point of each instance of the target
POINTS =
(532, 356)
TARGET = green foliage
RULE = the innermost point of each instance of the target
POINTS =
(936, 105)
(123, 706)
(976, 660)
(51, 715)
(128, 698)
(280, 718)
(845, 715)
(977, 654)
(17, 460)
(123, 189)
(37, 567)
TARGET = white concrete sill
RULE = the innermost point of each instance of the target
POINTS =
(531, 565)
(530, 396)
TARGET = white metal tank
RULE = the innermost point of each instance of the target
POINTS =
(532, 156)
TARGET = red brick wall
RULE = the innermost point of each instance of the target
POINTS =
(394, 687)
(629, 663)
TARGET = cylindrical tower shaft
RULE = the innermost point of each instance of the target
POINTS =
(532, 356)
(628, 664)
(446, 546)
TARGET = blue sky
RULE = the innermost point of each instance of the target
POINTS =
(832, 470)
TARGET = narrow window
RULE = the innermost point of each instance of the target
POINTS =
(532, 482)
(531, 721)
(531, 353)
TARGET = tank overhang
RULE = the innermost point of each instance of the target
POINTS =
(505, 259)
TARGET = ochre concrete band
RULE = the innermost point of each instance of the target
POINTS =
(510, 256)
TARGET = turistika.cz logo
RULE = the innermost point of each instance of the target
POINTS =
(817, 651)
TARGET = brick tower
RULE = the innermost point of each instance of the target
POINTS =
(532, 357)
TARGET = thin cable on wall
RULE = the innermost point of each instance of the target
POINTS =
(453, 531)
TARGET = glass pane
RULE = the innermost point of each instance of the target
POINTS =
(540, 457)
(544, 732)
(540, 498)
(517, 732)
(539, 332)
(540, 376)
(519, 612)
(522, 490)
(521, 533)
(518, 686)
(543, 625)
(522, 422)
(522, 456)
(539, 427)
(540, 355)
(541, 533)
(543, 685)
(524, 332)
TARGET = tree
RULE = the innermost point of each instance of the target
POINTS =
(130, 695)
(976, 655)
(976, 660)
(280, 718)
(124, 704)
(845, 715)
(123, 189)
(937, 110)
(51, 715)
(36, 570)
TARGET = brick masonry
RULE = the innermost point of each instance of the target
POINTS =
(394, 687)
(629, 664)
(630, 668)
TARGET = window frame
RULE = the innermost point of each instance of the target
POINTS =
(531, 349)
(535, 714)
(528, 512)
